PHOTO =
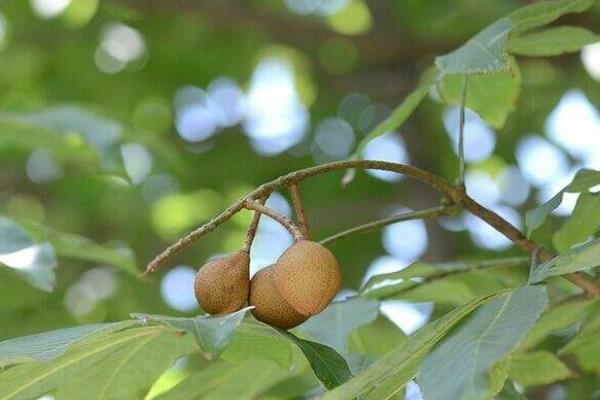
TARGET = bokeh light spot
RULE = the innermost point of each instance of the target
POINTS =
(42, 167)
(485, 236)
(407, 316)
(177, 288)
(334, 138)
(137, 160)
(49, 8)
(119, 46)
(406, 240)
(575, 125)
(384, 265)
(590, 56)
(176, 212)
(482, 187)
(539, 160)
(276, 118)
(514, 188)
(479, 137)
(152, 115)
(353, 19)
(389, 147)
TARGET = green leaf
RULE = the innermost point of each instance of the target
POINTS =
(509, 392)
(575, 259)
(121, 365)
(460, 288)
(556, 319)
(100, 132)
(389, 374)
(583, 180)
(78, 247)
(256, 340)
(536, 217)
(333, 326)
(212, 333)
(586, 347)
(459, 366)
(377, 338)
(224, 381)
(448, 283)
(590, 328)
(49, 345)
(389, 284)
(33, 261)
(398, 116)
(544, 12)
(537, 368)
(497, 377)
(329, 366)
(483, 53)
(582, 224)
(552, 41)
(492, 96)
(294, 387)
(20, 135)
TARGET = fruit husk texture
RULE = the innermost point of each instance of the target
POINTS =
(222, 285)
(307, 276)
(269, 306)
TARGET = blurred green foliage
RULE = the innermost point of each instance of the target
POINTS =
(71, 117)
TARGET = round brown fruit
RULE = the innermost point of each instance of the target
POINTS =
(222, 285)
(269, 306)
(307, 276)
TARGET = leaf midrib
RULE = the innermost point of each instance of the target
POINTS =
(74, 360)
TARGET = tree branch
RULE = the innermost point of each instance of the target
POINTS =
(357, 230)
(265, 189)
(515, 235)
(455, 196)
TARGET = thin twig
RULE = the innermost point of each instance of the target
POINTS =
(451, 268)
(420, 214)
(253, 227)
(299, 209)
(282, 219)
(461, 132)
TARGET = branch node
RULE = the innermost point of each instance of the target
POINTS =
(282, 219)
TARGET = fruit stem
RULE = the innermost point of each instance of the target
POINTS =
(282, 219)
(253, 227)
(370, 226)
(299, 209)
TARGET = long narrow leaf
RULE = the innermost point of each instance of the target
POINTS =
(389, 374)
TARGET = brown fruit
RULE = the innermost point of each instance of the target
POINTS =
(222, 285)
(268, 304)
(307, 276)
